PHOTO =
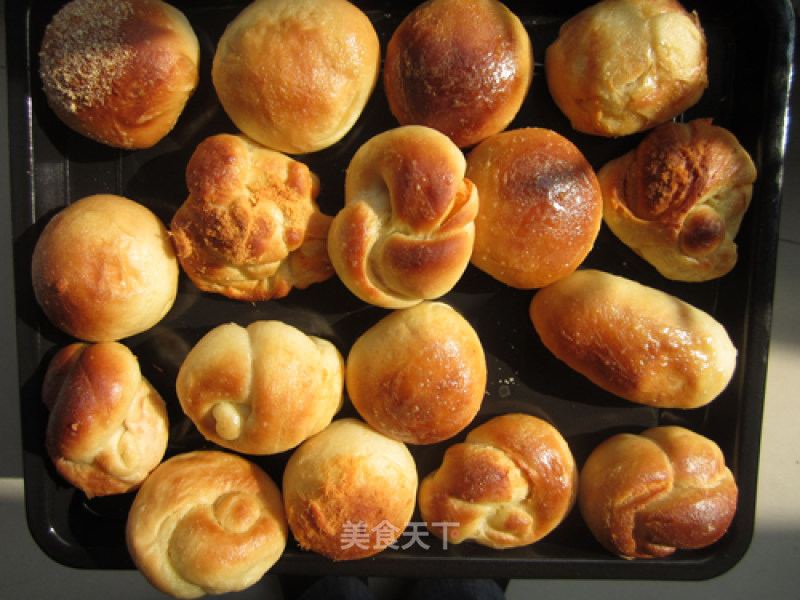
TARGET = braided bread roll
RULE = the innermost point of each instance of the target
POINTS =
(206, 522)
(407, 228)
(647, 495)
(510, 483)
(250, 228)
(108, 426)
(260, 389)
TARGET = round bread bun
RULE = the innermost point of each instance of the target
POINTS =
(108, 427)
(647, 495)
(260, 389)
(540, 207)
(104, 269)
(510, 483)
(295, 75)
(463, 67)
(623, 66)
(419, 374)
(406, 231)
(206, 522)
(119, 71)
(349, 491)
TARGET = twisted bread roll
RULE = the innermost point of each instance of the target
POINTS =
(406, 231)
(510, 483)
(119, 71)
(419, 374)
(645, 496)
(349, 491)
(262, 389)
(622, 66)
(250, 228)
(108, 427)
(206, 522)
(634, 341)
(678, 199)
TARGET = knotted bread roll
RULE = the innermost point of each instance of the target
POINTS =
(206, 522)
(647, 495)
(511, 482)
(622, 66)
(250, 228)
(406, 231)
(108, 427)
(119, 71)
(678, 199)
(260, 389)
(634, 341)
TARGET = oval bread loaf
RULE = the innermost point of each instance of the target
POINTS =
(634, 341)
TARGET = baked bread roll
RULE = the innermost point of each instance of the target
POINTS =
(645, 496)
(295, 75)
(678, 199)
(510, 483)
(634, 341)
(461, 67)
(107, 427)
(104, 269)
(119, 71)
(623, 66)
(349, 491)
(540, 207)
(206, 522)
(250, 228)
(260, 389)
(419, 374)
(406, 231)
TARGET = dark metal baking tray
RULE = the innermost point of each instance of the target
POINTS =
(750, 52)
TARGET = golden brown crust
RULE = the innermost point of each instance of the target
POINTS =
(406, 231)
(418, 375)
(678, 199)
(349, 491)
(623, 66)
(511, 482)
(108, 427)
(540, 207)
(461, 67)
(295, 75)
(645, 496)
(634, 341)
(262, 389)
(119, 71)
(206, 522)
(250, 228)
(104, 269)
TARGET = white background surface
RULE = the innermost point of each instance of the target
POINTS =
(770, 569)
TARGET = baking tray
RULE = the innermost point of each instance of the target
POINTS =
(750, 55)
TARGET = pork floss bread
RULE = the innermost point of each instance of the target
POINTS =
(540, 206)
(508, 484)
(107, 427)
(349, 491)
(260, 389)
(647, 495)
(406, 231)
(623, 66)
(250, 228)
(295, 75)
(461, 67)
(678, 199)
(119, 71)
(419, 374)
(104, 269)
(634, 341)
(206, 522)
